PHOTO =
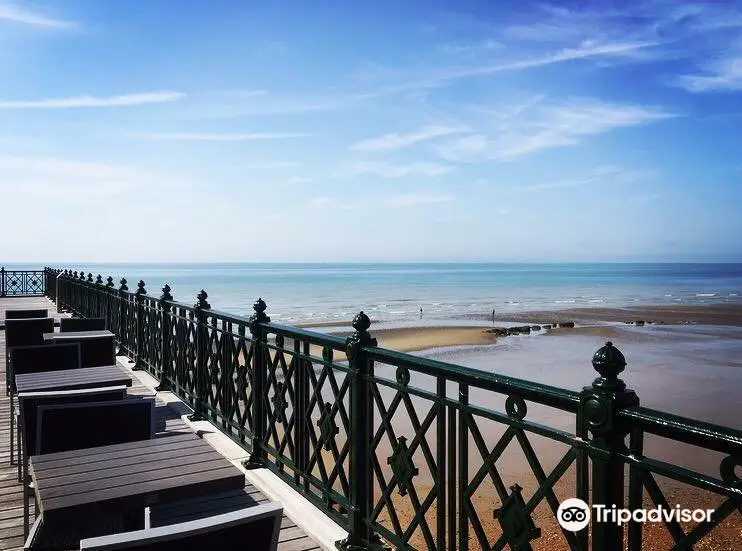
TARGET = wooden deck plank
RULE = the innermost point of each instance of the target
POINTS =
(170, 430)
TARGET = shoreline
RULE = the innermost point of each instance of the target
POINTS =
(598, 321)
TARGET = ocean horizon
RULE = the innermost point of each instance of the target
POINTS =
(396, 291)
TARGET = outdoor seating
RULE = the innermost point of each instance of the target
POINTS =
(96, 347)
(255, 527)
(67, 325)
(24, 314)
(64, 426)
(23, 332)
(28, 404)
(33, 359)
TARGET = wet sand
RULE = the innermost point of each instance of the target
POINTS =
(687, 365)
(711, 314)
(708, 314)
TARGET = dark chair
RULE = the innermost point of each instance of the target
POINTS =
(24, 314)
(24, 332)
(67, 325)
(28, 404)
(255, 528)
(32, 359)
(95, 350)
(82, 425)
(88, 425)
(45, 357)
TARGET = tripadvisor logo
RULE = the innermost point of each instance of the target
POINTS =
(574, 514)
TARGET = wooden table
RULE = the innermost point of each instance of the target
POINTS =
(76, 489)
(73, 379)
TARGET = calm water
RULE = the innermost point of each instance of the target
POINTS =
(396, 292)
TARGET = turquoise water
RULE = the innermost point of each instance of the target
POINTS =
(396, 292)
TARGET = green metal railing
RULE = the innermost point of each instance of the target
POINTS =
(407, 451)
(22, 282)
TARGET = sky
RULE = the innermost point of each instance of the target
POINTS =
(307, 130)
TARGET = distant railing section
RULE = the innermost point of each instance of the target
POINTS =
(407, 448)
(22, 282)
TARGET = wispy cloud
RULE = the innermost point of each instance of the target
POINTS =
(92, 101)
(270, 165)
(395, 140)
(589, 49)
(393, 171)
(547, 126)
(64, 177)
(469, 49)
(721, 75)
(415, 199)
(15, 14)
(604, 175)
(646, 198)
(222, 137)
(329, 202)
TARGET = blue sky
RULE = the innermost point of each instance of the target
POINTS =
(301, 130)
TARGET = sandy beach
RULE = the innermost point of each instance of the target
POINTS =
(682, 363)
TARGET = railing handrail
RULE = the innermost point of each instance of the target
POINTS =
(691, 431)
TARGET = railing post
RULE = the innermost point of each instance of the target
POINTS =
(199, 406)
(108, 297)
(90, 292)
(139, 295)
(98, 296)
(260, 362)
(123, 321)
(83, 296)
(600, 404)
(165, 372)
(2, 281)
(60, 291)
(360, 535)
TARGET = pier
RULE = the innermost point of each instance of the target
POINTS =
(384, 449)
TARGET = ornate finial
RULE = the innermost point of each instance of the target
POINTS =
(259, 306)
(75, 274)
(609, 362)
(361, 322)
(259, 316)
(99, 280)
(166, 293)
(360, 338)
(90, 277)
(201, 302)
(140, 289)
(123, 285)
(109, 282)
(82, 275)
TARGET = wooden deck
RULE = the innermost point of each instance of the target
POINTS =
(291, 538)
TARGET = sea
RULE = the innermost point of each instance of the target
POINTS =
(324, 292)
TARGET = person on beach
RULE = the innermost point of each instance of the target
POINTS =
(421, 312)
(493, 316)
